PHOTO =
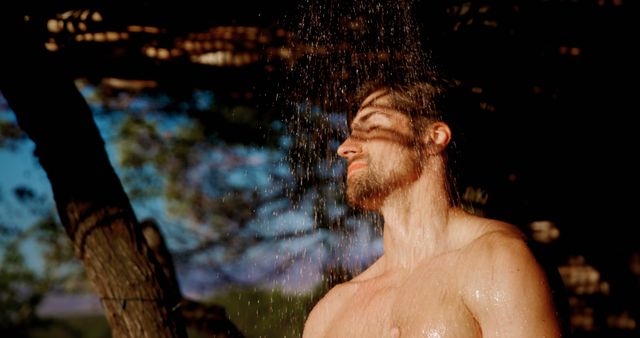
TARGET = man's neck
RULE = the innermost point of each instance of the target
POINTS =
(417, 222)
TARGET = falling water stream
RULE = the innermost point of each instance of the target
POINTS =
(337, 46)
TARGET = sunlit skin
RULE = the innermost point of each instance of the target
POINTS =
(444, 272)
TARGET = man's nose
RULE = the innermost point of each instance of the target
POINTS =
(349, 148)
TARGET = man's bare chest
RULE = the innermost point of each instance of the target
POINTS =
(421, 306)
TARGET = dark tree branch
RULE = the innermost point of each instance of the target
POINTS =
(210, 319)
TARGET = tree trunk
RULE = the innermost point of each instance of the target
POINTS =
(138, 299)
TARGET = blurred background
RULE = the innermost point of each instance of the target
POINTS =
(194, 103)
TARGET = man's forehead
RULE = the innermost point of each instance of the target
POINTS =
(378, 99)
(381, 97)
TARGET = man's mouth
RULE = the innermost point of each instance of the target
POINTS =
(353, 167)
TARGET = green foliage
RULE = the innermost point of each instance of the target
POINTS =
(139, 147)
(77, 327)
(266, 314)
(20, 290)
(72, 327)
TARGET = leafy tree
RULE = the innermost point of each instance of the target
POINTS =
(230, 196)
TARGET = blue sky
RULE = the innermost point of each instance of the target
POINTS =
(20, 168)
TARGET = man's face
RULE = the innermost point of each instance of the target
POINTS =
(382, 151)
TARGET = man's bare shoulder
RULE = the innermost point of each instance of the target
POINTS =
(487, 229)
(507, 286)
(323, 312)
(497, 250)
(497, 243)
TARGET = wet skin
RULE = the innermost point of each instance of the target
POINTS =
(444, 273)
(490, 287)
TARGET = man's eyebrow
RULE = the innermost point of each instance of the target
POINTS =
(367, 115)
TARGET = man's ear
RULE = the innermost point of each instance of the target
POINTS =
(437, 137)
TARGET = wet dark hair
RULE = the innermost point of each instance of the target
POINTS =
(424, 102)
(415, 99)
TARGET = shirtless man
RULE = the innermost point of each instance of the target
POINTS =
(444, 272)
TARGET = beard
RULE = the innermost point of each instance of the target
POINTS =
(370, 186)
(365, 188)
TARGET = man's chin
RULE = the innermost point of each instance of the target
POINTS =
(369, 203)
(365, 192)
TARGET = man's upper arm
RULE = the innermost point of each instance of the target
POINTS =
(508, 293)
